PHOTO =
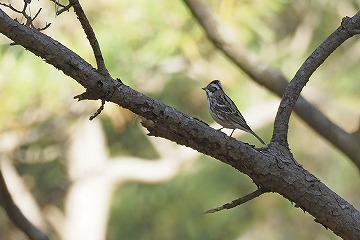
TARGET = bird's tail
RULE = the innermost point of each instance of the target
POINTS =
(252, 132)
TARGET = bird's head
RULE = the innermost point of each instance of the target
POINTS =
(212, 87)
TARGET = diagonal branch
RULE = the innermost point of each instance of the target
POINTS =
(16, 216)
(239, 201)
(90, 34)
(60, 8)
(271, 78)
(349, 27)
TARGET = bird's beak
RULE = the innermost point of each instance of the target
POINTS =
(204, 88)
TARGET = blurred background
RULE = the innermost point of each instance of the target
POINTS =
(106, 179)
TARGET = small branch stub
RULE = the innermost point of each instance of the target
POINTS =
(239, 201)
(99, 110)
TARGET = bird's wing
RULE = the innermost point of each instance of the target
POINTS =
(232, 112)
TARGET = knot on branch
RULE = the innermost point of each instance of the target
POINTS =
(352, 25)
(103, 91)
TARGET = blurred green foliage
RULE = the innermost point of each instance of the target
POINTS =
(157, 48)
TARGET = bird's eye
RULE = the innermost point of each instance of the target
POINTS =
(213, 89)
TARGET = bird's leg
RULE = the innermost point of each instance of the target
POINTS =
(232, 132)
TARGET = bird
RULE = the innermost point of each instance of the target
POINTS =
(224, 111)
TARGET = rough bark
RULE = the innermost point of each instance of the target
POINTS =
(272, 167)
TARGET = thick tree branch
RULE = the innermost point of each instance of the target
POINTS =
(90, 34)
(272, 79)
(273, 167)
(16, 216)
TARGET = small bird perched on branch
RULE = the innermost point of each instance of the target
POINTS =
(224, 111)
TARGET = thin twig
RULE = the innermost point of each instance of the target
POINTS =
(11, 7)
(239, 201)
(16, 216)
(58, 5)
(45, 27)
(37, 14)
(90, 34)
(64, 9)
(99, 110)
